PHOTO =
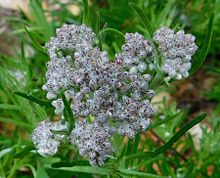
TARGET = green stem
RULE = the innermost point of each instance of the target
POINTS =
(157, 80)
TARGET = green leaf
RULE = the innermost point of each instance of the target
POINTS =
(97, 25)
(69, 111)
(24, 62)
(85, 12)
(170, 143)
(6, 151)
(140, 174)
(35, 43)
(201, 56)
(111, 30)
(70, 163)
(143, 17)
(10, 107)
(40, 19)
(24, 151)
(179, 134)
(162, 17)
(23, 58)
(156, 124)
(30, 29)
(97, 28)
(86, 169)
(34, 99)
(157, 80)
(41, 173)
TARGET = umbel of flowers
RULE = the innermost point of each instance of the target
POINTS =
(106, 96)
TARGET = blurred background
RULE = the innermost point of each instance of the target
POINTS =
(25, 26)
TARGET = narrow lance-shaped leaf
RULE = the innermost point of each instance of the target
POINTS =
(200, 58)
(173, 140)
(30, 29)
(103, 36)
(70, 163)
(23, 58)
(86, 169)
(156, 124)
(162, 16)
(11, 107)
(35, 43)
(24, 62)
(24, 151)
(143, 17)
(97, 27)
(85, 12)
(41, 20)
(69, 111)
(98, 30)
(111, 30)
(5, 151)
(140, 174)
(179, 134)
(34, 99)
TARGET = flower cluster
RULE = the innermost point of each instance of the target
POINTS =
(136, 53)
(134, 110)
(106, 96)
(45, 140)
(177, 50)
(70, 38)
(92, 140)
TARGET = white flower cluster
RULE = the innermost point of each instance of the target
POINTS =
(92, 140)
(45, 140)
(136, 53)
(177, 50)
(70, 39)
(114, 95)
(134, 110)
